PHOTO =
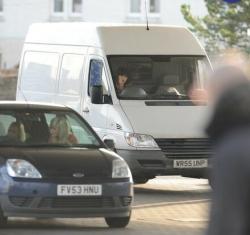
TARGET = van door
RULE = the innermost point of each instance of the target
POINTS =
(96, 114)
(70, 81)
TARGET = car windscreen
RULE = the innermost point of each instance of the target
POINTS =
(45, 128)
(157, 77)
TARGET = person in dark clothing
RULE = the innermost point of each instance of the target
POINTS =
(229, 130)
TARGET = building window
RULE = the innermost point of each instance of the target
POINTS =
(67, 8)
(154, 6)
(135, 6)
(138, 7)
(76, 6)
(58, 6)
(1, 6)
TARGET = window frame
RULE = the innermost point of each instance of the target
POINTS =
(142, 10)
(55, 13)
(1, 7)
(153, 13)
(135, 14)
(70, 7)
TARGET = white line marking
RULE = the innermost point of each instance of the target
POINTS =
(170, 203)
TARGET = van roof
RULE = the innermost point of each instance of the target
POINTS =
(118, 39)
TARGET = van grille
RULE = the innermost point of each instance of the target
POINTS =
(185, 148)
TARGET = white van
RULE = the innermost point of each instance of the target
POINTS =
(153, 123)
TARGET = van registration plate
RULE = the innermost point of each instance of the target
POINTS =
(79, 190)
(190, 163)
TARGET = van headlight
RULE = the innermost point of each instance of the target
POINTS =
(140, 141)
(22, 169)
(120, 169)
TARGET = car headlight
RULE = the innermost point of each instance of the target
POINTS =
(120, 169)
(22, 169)
(140, 141)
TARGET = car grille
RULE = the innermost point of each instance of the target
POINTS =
(76, 202)
(72, 202)
(21, 201)
(126, 201)
(185, 148)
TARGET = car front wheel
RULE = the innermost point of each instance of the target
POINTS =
(117, 222)
(3, 220)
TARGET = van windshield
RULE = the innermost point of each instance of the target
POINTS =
(157, 77)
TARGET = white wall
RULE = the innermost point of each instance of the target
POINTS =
(14, 23)
(171, 13)
(19, 14)
(105, 10)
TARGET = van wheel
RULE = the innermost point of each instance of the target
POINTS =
(140, 180)
(3, 220)
(117, 222)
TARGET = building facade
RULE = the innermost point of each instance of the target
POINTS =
(16, 16)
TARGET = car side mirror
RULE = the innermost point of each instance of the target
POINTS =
(110, 144)
(96, 94)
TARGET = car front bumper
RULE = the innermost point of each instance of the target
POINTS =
(39, 199)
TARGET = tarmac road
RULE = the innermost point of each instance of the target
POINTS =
(165, 205)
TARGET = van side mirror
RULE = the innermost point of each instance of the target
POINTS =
(96, 94)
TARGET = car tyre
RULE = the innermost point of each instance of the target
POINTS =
(117, 222)
(3, 220)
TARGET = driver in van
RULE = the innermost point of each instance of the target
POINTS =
(122, 79)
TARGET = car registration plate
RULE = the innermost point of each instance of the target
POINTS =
(190, 163)
(79, 190)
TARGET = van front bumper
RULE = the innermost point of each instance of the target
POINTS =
(151, 163)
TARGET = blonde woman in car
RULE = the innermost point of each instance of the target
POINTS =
(60, 132)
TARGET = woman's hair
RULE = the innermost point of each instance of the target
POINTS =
(20, 130)
(60, 123)
(122, 71)
(231, 112)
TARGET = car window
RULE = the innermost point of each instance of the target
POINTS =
(47, 128)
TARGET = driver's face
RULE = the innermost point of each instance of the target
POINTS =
(122, 79)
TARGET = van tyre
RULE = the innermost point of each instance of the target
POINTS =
(140, 180)
(117, 222)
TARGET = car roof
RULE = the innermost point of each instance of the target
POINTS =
(32, 106)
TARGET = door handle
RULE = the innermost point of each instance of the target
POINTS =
(86, 110)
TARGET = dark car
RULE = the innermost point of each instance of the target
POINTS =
(52, 164)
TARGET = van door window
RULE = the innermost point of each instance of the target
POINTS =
(71, 74)
(97, 76)
(39, 71)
